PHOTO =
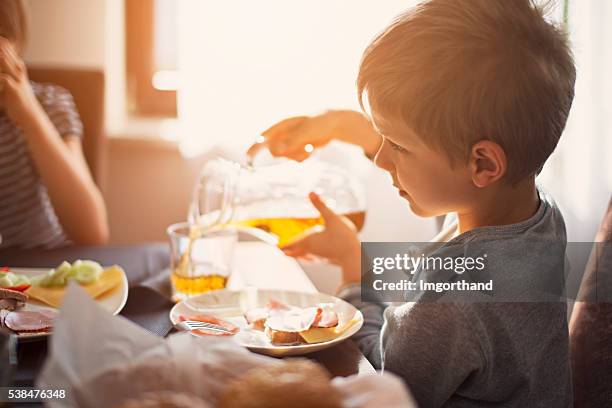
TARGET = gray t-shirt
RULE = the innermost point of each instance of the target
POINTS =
(479, 354)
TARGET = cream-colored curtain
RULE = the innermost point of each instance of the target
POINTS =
(579, 173)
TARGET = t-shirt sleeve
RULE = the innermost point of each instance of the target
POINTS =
(433, 347)
(59, 105)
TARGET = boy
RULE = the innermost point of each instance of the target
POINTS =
(467, 101)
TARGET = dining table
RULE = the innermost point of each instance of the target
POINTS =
(147, 266)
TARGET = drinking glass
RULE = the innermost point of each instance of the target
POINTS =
(200, 262)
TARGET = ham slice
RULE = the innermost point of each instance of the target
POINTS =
(213, 320)
(326, 318)
(30, 321)
(257, 317)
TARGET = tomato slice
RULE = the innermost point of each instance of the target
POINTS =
(18, 288)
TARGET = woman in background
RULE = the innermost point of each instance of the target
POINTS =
(47, 195)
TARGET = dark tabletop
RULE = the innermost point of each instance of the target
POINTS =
(146, 267)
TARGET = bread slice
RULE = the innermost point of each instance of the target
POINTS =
(278, 337)
(11, 299)
(295, 383)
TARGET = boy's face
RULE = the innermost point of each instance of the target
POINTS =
(423, 176)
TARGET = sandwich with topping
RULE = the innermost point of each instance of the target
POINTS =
(286, 325)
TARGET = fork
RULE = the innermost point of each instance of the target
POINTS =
(190, 325)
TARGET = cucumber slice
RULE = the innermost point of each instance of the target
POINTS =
(6, 280)
(84, 272)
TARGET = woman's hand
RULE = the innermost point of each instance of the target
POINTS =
(16, 94)
(337, 241)
(291, 137)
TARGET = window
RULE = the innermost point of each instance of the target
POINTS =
(151, 60)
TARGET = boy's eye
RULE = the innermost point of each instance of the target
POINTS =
(396, 147)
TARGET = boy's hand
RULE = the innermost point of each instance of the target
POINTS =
(16, 95)
(337, 241)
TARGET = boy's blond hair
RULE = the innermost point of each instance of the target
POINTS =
(14, 22)
(460, 71)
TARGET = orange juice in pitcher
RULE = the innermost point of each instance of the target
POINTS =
(273, 198)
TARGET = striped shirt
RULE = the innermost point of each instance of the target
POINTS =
(27, 217)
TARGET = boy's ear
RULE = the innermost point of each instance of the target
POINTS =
(487, 163)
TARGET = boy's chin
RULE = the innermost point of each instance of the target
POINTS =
(419, 211)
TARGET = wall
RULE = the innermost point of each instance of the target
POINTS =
(149, 187)
(67, 33)
(86, 34)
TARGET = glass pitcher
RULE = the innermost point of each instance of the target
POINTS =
(269, 197)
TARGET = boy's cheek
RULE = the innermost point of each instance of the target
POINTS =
(433, 194)
(433, 188)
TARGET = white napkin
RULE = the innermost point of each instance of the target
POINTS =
(374, 391)
(87, 341)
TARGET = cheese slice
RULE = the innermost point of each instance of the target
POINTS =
(323, 334)
(53, 296)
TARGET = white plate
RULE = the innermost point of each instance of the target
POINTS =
(230, 305)
(113, 301)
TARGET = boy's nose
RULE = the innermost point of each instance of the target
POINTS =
(382, 158)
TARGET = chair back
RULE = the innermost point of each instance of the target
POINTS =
(87, 88)
(591, 325)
